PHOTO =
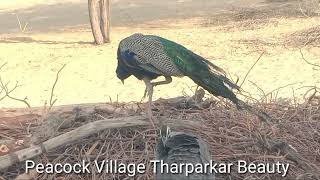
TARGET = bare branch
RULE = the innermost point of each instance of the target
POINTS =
(279, 88)
(3, 65)
(8, 92)
(259, 88)
(251, 68)
(302, 56)
(4, 87)
(51, 102)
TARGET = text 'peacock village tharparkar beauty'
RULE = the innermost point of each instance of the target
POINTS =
(132, 169)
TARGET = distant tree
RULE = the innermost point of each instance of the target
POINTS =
(99, 13)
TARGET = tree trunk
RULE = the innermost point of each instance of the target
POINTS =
(105, 19)
(95, 21)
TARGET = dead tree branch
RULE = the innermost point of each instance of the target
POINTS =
(4, 87)
(8, 92)
(51, 101)
(70, 137)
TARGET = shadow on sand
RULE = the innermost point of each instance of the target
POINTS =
(31, 40)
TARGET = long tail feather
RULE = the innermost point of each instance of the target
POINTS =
(256, 111)
(207, 75)
(217, 85)
(219, 72)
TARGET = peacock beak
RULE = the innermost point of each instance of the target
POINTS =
(122, 81)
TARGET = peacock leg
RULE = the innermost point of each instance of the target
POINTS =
(150, 93)
(166, 81)
(149, 89)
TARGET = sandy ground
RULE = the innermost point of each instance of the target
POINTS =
(232, 37)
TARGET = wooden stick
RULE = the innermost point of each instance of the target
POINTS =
(70, 137)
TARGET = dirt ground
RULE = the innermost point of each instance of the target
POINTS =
(232, 34)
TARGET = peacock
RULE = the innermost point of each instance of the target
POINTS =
(181, 148)
(149, 56)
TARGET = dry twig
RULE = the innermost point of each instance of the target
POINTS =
(302, 56)
(8, 92)
(245, 77)
(51, 101)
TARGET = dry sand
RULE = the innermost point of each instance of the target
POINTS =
(231, 39)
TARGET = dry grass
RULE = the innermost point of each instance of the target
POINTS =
(310, 36)
(231, 135)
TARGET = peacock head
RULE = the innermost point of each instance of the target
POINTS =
(122, 73)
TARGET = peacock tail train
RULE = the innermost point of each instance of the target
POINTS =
(201, 71)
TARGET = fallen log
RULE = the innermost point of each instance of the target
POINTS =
(17, 116)
(70, 137)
